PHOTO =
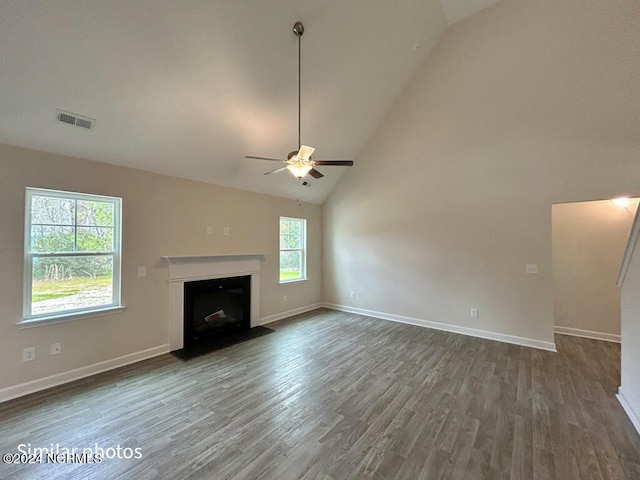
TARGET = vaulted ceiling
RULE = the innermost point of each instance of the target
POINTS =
(187, 88)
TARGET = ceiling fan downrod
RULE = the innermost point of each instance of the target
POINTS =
(298, 30)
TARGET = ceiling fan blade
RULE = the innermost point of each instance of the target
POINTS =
(305, 152)
(315, 173)
(343, 163)
(264, 158)
(281, 169)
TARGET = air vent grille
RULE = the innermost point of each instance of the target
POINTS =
(65, 118)
(74, 119)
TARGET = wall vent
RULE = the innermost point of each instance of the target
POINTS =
(76, 120)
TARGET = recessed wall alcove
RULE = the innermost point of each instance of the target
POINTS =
(190, 268)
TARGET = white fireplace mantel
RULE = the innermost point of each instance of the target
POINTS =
(189, 268)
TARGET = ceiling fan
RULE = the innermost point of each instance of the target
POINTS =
(299, 162)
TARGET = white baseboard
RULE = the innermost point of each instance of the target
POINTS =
(33, 386)
(289, 313)
(577, 332)
(629, 410)
(500, 337)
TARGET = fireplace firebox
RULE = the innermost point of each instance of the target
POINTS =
(215, 309)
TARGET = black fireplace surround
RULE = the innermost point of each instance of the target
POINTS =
(216, 308)
(217, 314)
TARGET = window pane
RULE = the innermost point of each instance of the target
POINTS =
(292, 249)
(95, 239)
(62, 283)
(69, 227)
(290, 265)
(51, 239)
(289, 242)
(52, 211)
(95, 213)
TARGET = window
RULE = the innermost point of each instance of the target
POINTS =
(293, 249)
(72, 254)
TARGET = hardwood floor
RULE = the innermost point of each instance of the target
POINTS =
(336, 396)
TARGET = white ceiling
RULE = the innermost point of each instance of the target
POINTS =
(187, 88)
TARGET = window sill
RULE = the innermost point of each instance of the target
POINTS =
(295, 280)
(63, 318)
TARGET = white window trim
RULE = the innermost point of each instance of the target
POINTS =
(70, 317)
(303, 278)
(29, 320)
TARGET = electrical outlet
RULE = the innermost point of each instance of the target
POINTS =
(353, 294)
(227, 231)
(474, 312)
(531, 268)
(29, 354)
(142, 271)
(56, 348)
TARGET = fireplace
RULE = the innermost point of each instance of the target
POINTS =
(187, 269)
(215, 309)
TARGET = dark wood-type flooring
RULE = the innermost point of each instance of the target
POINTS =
(336, 396)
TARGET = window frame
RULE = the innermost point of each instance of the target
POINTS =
(303, 250)
(29, 319)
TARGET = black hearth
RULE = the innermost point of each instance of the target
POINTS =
(217, 314)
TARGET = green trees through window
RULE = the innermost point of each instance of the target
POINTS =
(72, 252)
(292, 249)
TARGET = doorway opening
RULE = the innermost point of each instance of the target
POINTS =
(588, 243)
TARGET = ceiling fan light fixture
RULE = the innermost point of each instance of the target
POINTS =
(299, 170)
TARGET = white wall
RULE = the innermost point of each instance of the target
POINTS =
(524, 105)
(161, 216)
(588, 241)
(629, 392)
